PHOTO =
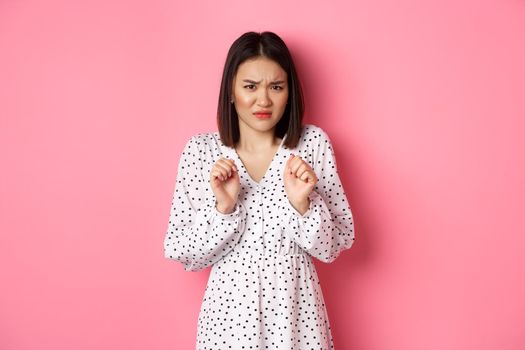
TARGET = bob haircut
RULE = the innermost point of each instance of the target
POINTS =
(252, 45)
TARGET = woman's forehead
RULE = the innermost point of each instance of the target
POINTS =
(261, 68)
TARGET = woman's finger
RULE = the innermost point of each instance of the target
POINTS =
(216, 174)
(231, 162)
(227, 164)
(294, 162)
(301, 170)
(304, 176)
(225, 169)
(220, 172)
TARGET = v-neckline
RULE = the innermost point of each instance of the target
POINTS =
(268, 170)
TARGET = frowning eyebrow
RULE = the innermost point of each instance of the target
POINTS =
(257, 82)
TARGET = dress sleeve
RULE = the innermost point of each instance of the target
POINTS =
(198, 235)
(327, 227)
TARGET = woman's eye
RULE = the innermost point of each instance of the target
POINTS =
(275, 86)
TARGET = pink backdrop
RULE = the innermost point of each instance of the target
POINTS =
(424, 102)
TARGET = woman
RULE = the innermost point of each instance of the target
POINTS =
(256, 200)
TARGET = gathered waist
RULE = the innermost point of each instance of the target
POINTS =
(236, 254)
(250, 261)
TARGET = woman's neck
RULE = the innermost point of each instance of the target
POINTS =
(254, 141)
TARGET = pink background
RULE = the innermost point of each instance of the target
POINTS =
(424, 102)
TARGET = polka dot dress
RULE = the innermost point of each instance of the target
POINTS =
(263, 291)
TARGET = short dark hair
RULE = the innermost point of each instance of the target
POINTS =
(251, 45)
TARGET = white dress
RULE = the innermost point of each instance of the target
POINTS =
(263, 290)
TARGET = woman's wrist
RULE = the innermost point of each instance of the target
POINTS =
(301, 206)
(225, 208)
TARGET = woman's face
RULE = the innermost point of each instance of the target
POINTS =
(260, 84)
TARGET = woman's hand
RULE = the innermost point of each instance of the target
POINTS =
(299, 181)
(225, 184)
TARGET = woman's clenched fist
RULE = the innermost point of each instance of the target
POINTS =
(225, 184)
(299, 180)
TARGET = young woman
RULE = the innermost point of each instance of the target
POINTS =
(256, 200)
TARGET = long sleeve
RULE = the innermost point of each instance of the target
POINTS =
(198, 235)
(327, 227)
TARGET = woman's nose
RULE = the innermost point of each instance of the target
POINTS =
(263, 98)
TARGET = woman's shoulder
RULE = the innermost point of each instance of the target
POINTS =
(202, 138)
(204, 143)
(313, 134)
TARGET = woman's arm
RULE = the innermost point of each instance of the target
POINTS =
(198, 235)
(327, 227)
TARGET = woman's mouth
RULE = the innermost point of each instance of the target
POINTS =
(263, 115)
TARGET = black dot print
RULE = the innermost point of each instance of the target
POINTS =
(263, 291)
